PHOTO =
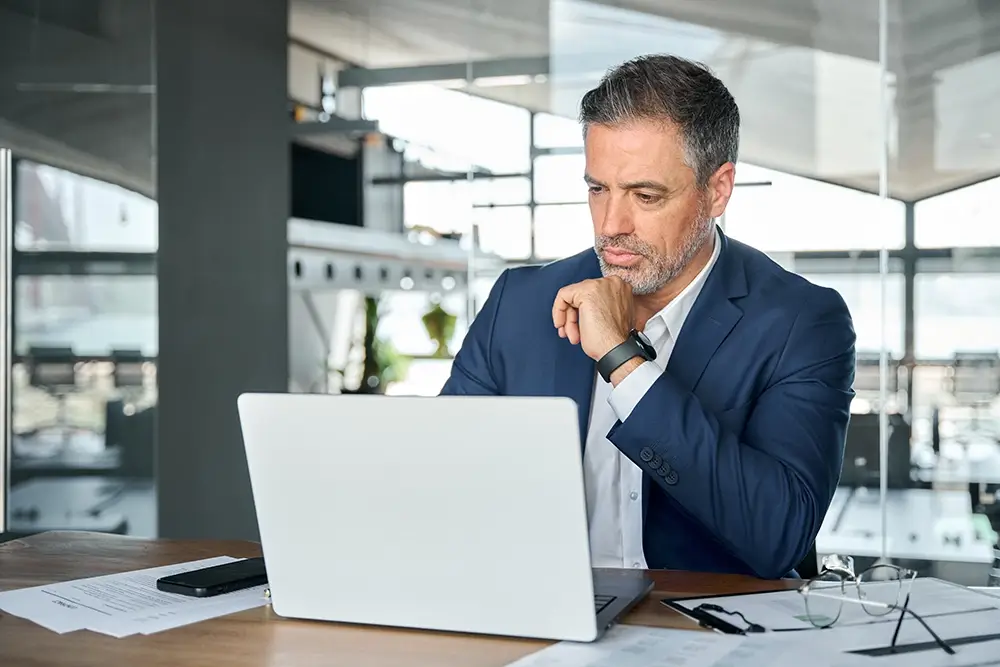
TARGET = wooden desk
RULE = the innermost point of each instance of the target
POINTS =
(258, 636)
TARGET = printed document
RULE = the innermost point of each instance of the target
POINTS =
(123, 604)
(784, 610)
(635, 646)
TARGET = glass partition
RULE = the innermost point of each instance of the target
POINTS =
(869, 161)
(77, 96)
(810, 180)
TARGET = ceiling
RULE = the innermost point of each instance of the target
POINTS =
(805, 74)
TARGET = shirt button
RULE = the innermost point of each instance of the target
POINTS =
(636, 565)
(634, 495)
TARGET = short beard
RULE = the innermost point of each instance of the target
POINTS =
(655, 271)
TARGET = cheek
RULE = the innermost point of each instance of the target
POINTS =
(660, 229)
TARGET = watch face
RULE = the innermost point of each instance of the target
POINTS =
(646, 345)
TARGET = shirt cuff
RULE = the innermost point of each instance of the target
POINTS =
(630, 391)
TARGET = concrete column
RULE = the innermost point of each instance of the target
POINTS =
(222, 129)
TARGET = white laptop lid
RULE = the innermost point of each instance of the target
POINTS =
(449, 513)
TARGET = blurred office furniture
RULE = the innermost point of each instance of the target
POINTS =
(931, 530)
(85, 504)
(974, 382)
(862, 452)
(867, 380)
(53, 370)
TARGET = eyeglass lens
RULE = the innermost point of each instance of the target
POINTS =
(878, 588)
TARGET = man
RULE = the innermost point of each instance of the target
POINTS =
(714, 387)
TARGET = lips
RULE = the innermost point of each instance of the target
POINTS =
(620, 257)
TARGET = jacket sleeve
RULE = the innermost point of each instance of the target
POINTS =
(762, 493)
(473, 370)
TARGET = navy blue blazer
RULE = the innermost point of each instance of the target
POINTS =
(740, 440)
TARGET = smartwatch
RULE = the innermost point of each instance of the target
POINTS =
(636, 345)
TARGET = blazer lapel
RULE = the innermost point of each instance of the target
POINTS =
(573, 372)
(711, 318)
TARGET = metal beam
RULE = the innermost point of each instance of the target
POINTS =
(83, 263)
(444, 176)
(359, 77)
(335, 125)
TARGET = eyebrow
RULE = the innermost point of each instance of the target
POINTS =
(631, 185)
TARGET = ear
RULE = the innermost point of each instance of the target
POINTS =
(720, 189)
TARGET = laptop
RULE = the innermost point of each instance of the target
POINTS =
(452, 513)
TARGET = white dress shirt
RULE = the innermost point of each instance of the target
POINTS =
(613, 483)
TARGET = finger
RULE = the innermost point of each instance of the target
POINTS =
(573, 325)
(562, 303)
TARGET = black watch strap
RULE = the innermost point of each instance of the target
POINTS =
(630, 349)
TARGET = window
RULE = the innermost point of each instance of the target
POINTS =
(956, 313)
(60, 210)
(496, 138)
(505, 231)
(794, 213)
(91, 314)
(443, 206)
(963, 218)
(559, 179)
(557, 132)
(561, 231)
(500, 190)
(863, 295)
(449, 207)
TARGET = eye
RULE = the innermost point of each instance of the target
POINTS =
(595, 189)
(647, 198)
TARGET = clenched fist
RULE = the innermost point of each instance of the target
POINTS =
(596, 314)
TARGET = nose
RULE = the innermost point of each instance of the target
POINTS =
(617, 217)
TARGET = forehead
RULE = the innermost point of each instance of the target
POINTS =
(634, 149)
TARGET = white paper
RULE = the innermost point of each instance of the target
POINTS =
(849, 639)
(792, 649)
(929, 597)
(987, 590)
(635, 646)
(123, 604)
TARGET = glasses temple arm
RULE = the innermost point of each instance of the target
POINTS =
(940, 642)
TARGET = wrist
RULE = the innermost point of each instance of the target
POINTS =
(623, 371)
(612, 343)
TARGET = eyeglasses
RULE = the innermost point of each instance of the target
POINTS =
(879, 591)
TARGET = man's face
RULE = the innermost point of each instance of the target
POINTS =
(650, 217)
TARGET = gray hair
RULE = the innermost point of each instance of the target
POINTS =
(665, 87)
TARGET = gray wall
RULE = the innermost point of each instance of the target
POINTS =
(222, 177)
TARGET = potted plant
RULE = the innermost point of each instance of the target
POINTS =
(440, 326)
(382, 363)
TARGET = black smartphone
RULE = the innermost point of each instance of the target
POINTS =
(217, 579)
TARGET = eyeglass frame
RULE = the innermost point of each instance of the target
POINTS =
(847, 573)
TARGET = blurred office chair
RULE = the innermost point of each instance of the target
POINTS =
(127, 371)
(53, 370)
(130, 424)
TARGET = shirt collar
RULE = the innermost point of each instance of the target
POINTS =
(671, 318)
